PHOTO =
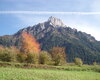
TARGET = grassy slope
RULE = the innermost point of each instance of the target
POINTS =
(41, 74)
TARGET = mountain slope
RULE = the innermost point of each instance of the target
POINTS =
(54, 33)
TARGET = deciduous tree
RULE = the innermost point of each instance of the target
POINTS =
(45, 57)
(58, 55)
(29, 44)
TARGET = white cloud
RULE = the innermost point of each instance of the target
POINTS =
(49, 12)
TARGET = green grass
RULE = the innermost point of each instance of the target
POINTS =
(9, 73)
(95, 68)
(67, 67)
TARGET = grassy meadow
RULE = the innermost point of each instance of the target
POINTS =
(13, 73)
(17, 66)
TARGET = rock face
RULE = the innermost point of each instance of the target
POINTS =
(54, 33)
(55, 22)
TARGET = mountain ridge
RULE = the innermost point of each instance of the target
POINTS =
(54, 32)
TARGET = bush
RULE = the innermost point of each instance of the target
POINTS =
(78, 61)
(8, 54)
(21, 57)
(94, 63)
(32, 58)
(45, 57)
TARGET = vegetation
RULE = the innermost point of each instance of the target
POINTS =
(68, 67)
(78, 61)
(21, 57)
(29, 44)
(32, 58)
(94, 63)
(8, 54)
(42, 74)
(58, 55)
(76, 43)
(30, 53)
(45, 57)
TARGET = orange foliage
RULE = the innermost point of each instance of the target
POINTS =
(29, 44)
(1, 48)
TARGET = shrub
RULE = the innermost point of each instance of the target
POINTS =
(32, 58)
(94, 63)
(8, 54)
(21, 57)
(78, 61)
(45, 57)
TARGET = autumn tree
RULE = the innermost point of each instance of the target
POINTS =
(1, 49)
(30, 47)
(29, 44)
(58, 55)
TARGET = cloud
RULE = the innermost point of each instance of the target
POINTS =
(49, 12)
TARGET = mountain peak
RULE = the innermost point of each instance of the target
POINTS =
(55, 22)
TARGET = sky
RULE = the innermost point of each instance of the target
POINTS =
(84, 15)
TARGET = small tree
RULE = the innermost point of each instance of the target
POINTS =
(32, 58)
(78, 61)
(58, 55)
(45, 57)
(30, 47)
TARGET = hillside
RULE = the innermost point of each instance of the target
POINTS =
(54, 32)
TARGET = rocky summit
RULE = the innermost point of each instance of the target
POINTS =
(54, 32)
(55, 22)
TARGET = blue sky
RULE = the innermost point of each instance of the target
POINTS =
(11, 23)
